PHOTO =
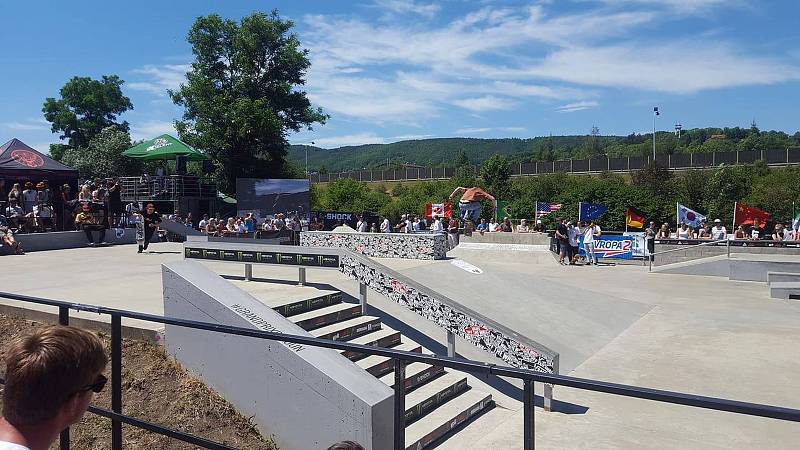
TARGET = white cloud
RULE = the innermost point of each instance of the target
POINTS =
(472, 130)
(151, 129)
(27, 125)
(482, 130)
(681, 6)
(485, 103)
(159, 78)
(577, 106)
(351, 139)
(408, 7)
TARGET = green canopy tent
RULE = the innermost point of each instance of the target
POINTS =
(163, 147)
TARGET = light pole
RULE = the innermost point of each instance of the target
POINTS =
(655, 113)
(312, 143)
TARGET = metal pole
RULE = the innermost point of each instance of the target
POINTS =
(248, 272)
(362, 293)
(654, 137)
(528, 425)
(63, 319)
(302, 276)
(116, 380)
(399, 404)
(451, 344)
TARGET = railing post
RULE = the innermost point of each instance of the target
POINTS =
(63, 319)
(729, 246)
(116, 380)
(399, 404)
(301, 276)
(248, 272)
(451, 344)
(548, 388)
(528, 425)
(362, 295)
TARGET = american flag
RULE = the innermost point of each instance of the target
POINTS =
(545, 208)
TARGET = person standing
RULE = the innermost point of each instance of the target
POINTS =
(386, 226)
(114, 202)
(437, 226)
(150, 219)
(590, 233)
(452, 232)
(572, 234)
(562, 238)
(28, 198)
(51, 376)
(650, 240)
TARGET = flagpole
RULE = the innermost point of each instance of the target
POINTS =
(626, 220)
(579, 211)
(677, 217)
(733, 227)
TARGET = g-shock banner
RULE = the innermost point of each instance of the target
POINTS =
(251, 256)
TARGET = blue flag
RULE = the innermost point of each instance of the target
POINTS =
(589, 211)
(690, 217)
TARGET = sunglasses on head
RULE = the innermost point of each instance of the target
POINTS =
(98, 385)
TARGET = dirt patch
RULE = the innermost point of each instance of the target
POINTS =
(158, 390)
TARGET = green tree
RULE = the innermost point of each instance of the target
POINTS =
(103, 156)
(242, 95)
(495, 173)
(462, 160)
(85, 108)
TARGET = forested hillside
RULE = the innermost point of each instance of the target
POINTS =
(445, 151)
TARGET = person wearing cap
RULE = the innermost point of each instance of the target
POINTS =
(539, 228)
(718, 232)
(523, 227)
(88, 221)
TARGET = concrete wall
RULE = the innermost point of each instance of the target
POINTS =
(381, 245)
(308, 397)
(57, 240)
(508, 238)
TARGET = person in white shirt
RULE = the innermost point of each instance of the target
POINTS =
(718, 232)
(437, 226)
(589, 235)
(684, 232)
(359, 223)
(492, 225)
(203, 222)
(363, 226)
(267, 226)
(386, 227)
(523, 227)
(50, 378)
(409, 225)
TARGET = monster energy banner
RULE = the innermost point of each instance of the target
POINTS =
(250, 256)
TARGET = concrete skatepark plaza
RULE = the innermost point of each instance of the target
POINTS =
(701, 335)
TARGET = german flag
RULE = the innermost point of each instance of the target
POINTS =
(633, 218)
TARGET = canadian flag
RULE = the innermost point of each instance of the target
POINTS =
(438, 209)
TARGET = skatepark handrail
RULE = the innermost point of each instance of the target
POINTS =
(401, 357)
(716, 242)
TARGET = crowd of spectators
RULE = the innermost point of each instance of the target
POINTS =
(248, 225)
(704, 231)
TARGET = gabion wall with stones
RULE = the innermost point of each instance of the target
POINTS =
(381, 245)
(510, 350)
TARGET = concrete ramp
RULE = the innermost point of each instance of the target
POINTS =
(739, 267)
(552, 311)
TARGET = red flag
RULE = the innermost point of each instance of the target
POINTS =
(438, 209)
(745, 215)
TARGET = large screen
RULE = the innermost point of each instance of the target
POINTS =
(268, 197)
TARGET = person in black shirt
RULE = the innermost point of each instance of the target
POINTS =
(151, 219)
(562, 236)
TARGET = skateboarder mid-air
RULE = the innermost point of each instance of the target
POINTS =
(470, 203)
(146, 225)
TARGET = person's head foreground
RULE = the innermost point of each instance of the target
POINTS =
(51, 376)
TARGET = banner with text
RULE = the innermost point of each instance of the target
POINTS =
(619, 247)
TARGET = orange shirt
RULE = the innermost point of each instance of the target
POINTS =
(475, 194)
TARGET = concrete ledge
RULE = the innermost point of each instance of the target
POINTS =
(58, 240)
(776, 277)
(381, 245)
(308, 397)
(784, 289)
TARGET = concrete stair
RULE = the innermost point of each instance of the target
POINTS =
(784, 285)
(437, 400)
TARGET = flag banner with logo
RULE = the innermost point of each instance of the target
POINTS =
(744, 215)
(639, 243)
(504, 210)
(545, 208)
(796, 223)
(619, 247)
(689, 216)
(633, 218)
(589, 211)
(439, 210)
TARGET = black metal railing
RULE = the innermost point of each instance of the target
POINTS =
(677, 161)
(401, 358)
(166, 188)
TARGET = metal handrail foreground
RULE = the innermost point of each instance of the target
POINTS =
(402, 358)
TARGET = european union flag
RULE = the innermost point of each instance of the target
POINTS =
(589, 211)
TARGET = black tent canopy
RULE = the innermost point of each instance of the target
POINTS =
(18, 161)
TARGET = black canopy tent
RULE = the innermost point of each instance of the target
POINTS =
(20, 163)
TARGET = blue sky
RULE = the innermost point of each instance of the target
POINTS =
(388, 70)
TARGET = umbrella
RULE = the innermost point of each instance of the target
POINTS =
(163, 147)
